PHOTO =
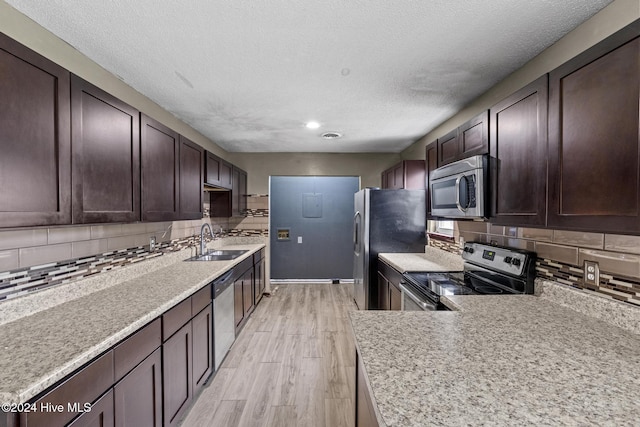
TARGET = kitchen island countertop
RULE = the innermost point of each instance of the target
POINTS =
(500, 360)
(40, 349)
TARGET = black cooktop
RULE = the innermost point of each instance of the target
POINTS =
(433, 285)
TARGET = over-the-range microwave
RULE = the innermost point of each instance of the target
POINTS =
(460, 189)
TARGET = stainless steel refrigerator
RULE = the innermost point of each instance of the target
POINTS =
(384, 221)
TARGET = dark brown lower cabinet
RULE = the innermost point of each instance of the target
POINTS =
(243, 297)
(365, 414)
(177, 375)
(243, 292)
(383, 292)
(138, 397)
(389, 287)
(259, 279)
(395, 297)
(202, 347)
(248, 293)
(86, 385)
(101, 414)
(238, 311)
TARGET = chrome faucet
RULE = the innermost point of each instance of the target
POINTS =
(205, 225)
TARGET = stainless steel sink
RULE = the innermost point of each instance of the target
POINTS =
(219, 255)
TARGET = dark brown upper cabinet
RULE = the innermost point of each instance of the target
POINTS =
(35, 142)
(448, 148)
(239, 192)
(431, 164)
(594, 148)
(105, 135)
(408, 175)
(160, 166)
(218, 172)
(191, 179)
(519, 156)
(469, 139)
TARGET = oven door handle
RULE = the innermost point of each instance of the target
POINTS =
(412, 297)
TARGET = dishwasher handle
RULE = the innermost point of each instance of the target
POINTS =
(222, 283)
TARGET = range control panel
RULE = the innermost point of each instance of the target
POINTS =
(496, 258)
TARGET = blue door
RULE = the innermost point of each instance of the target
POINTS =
(311, 226)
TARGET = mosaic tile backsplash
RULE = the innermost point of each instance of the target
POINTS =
(76, 252)
(22, 281)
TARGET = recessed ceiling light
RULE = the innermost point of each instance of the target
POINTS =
(312, 125)
(331, 135)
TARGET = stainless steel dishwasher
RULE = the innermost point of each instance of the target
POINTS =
(224, 328)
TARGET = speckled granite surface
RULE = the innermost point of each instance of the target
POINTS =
(433, 259)
(41, 348)
(591, 303)
(508, 360)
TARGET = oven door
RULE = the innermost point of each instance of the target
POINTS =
(410, 302)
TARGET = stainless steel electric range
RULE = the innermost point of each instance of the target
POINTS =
(488, 270)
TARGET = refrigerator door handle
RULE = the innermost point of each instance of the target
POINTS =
(356, 236)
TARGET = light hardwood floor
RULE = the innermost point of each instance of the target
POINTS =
(293, 364)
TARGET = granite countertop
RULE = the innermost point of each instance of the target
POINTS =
(501, 360)
(41, 348)
(433, 259)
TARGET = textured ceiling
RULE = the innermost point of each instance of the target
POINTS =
(249, 74)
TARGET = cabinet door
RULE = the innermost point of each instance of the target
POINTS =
(217, 171)
(413, 174)
(84, 386)
(105, 156)
(35, 165)
(238, 308)
(101, 414)
(519, 156)
(159, 154)
(388, 179)
(398, 176)
(202, 347)
(594, 149)
(448, 148)
(177, 375)
(138, 397)
(239, 192)
(473, 136)
(247, 292)
(395, 297)
(431, 164)
(383, 292)
(259, 280)
(191, 179)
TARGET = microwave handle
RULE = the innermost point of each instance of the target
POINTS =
(458, 204)
(460, 208)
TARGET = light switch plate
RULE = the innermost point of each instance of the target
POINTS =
(299, 239)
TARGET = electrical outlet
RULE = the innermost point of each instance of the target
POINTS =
(152, 243)
(591, 273)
